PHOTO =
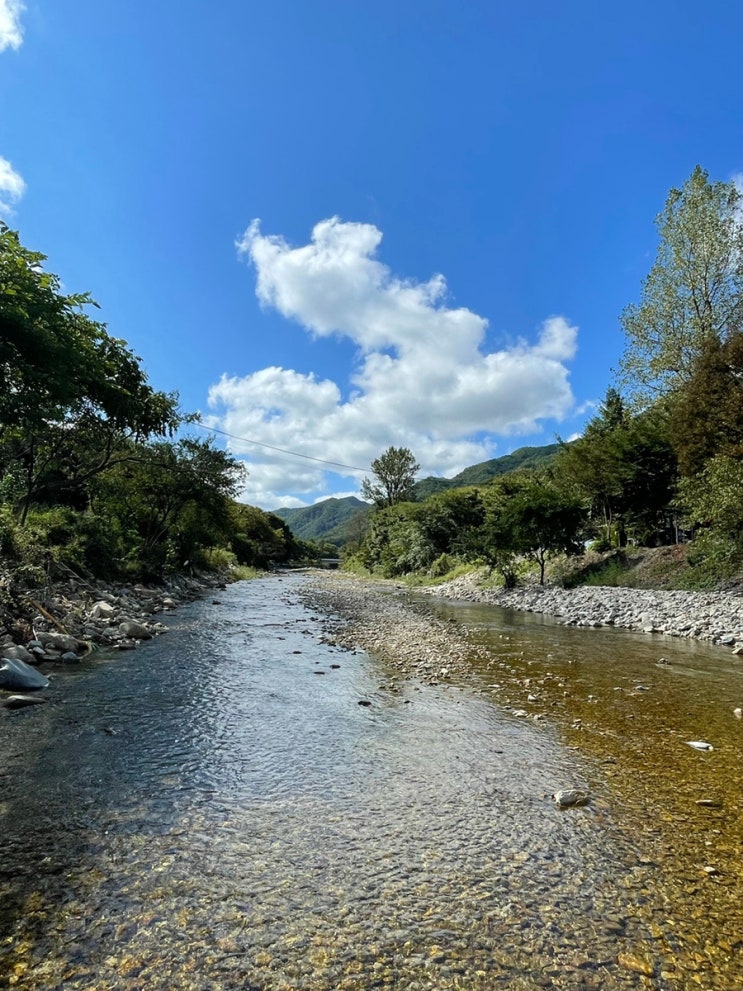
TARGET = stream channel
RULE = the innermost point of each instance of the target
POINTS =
(217, 810)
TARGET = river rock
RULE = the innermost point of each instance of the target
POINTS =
(59, 641)
(570, 798)
(102, 610)
(22, 701)
(17, 676)
(20, 654)
(137, 631)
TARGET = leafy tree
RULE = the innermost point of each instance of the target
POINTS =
(169, 501)
(260, 539)
(712, 505)
(625, 470)
(707, 416)
(529, 517)
(694, 292)
(69, 393)
(544, 520)
(394, 473)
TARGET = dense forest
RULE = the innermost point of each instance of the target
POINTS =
(661, 462)
(102, 474)
(99, 472)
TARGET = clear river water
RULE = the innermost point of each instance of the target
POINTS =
(217, 810)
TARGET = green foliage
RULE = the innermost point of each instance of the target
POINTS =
(330, 519)
(625, 470)
(170, 500)
(482, 473)
(394, 473)
(528, 516)
(694, 292)
(260, 539)
(707, 414)
(70, 395)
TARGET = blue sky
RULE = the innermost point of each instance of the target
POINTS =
(333, 226)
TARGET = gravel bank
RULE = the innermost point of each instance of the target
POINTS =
(713, 616)
(381, 618)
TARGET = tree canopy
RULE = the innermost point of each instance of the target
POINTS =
(394, 477)
(694, 291)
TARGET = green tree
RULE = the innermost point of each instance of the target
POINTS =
(707, 416)
(625, 470)
(694, 291)
(394, 476)
(169, 501)
(70, 394)
(529, 517)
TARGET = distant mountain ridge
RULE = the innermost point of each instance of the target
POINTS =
(332, 519)
(480, 474)
(326, 520)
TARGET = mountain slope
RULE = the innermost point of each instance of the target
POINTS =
(325, 520)
(332, 519)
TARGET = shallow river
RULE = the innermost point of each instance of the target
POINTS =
(216, 810)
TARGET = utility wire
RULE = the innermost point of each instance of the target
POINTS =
(258, 443)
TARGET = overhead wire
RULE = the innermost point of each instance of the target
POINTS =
(293, 454)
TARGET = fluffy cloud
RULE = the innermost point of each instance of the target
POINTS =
(12, 187)
(11, 34)
(422, 380)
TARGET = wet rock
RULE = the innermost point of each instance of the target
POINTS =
(364, 702)
(137, 631)
(16, 675)
(61, 642)
(570, 798)
(19, 654)
(22, 701)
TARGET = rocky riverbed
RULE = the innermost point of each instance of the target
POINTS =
(382, 619)
(67, 621)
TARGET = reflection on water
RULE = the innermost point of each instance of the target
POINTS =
(216, 810)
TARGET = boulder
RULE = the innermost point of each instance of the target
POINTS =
(137, 631)
(20, 654)
(17, 676)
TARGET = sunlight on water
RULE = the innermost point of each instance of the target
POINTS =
(216, 810)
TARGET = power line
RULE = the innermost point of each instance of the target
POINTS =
(258, 443)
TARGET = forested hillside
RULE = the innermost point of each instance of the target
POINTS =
(327, 520)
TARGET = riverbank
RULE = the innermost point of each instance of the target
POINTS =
(66, 621)
(381, 618)
(716, 617)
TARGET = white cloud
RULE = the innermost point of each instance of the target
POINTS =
(423, 379)
(11, 33)
(12, 187)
